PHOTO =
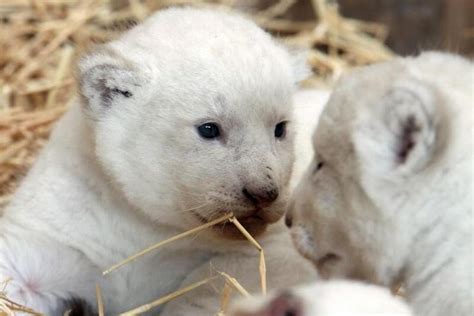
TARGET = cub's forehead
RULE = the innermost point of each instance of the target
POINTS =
(203, 43)
(200, 56)
(362, 88)
(360, 91)
(355, 94)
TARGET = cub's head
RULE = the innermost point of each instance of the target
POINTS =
(191, 114)
(381, 171)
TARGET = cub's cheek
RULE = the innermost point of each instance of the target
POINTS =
(330, 266)
(303, 242)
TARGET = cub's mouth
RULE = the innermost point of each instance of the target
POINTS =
(255, 224)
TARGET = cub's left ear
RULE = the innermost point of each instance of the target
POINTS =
(299, 64)
(108, 79)
(399, 134)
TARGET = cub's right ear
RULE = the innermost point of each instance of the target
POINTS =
(107, 79)
(398, 136)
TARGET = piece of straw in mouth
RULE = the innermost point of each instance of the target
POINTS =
(100, 302)
(167, 298)
(167, 241)
(262, 265)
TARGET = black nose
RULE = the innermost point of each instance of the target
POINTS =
(262, 197)
(288, 220)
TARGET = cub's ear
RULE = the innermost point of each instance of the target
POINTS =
(301, 69)
(107, 79)
(399, 133)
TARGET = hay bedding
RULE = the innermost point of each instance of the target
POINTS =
(40, 40)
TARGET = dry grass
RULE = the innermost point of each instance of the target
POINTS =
(40, 40)
(9, 307)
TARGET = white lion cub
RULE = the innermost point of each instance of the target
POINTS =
(183, 119)
(388, 197)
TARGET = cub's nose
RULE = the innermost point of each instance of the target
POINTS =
(260, 197)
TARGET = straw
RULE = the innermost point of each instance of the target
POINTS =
(167, 241)
(225, 299)
(235, 284)
(165, 299)
(100, 302)
(262, 265)
(9, 307)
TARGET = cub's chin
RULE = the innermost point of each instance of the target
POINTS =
(256, 224)
(253, 224)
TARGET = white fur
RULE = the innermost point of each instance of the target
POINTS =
(126, 168)
(393, 201)
(334, 298)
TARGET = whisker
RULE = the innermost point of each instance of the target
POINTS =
(194, 208)
(182, 192)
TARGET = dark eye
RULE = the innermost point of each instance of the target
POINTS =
(280, 130)
(319, 166)
(209, 130)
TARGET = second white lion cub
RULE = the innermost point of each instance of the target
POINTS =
(388, 196)
(183, 119)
